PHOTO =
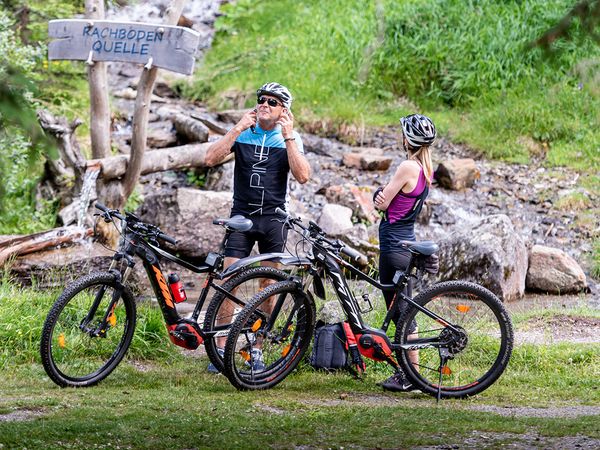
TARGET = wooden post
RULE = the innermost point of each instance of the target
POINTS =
(99, 105)
(141, 111)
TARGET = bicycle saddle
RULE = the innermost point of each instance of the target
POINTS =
(425, 248)
(235, 223)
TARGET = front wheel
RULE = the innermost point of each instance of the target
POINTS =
(464, 349)
(88, 330)
(222, 311)
(269, 337)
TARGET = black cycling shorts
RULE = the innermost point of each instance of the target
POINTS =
(268, 232)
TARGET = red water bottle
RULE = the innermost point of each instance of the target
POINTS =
(177, 288)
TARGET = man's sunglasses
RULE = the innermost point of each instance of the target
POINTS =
(270, 101)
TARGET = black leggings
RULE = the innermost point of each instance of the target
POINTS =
(389, 263)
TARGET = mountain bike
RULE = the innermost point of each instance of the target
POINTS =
(453, 340)
(91, 325)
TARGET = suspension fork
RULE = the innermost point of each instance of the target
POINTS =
(101, 329)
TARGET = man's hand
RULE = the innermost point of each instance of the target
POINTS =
(247, 120)
(286, 120)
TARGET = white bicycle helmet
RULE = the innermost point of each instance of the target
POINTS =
(419, 130)
(276, 90)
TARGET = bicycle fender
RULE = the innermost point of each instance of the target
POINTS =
(286, 259)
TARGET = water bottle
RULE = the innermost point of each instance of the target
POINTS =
(177, 288)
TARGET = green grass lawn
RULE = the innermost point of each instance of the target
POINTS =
(161, 398)
(179, 405)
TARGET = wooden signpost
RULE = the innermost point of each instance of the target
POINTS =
(168, 47)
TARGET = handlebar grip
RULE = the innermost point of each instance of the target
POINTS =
(354, 255)
(166, 238)
(281, 212)
(101, 207)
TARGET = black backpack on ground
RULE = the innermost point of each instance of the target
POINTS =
(332, 347)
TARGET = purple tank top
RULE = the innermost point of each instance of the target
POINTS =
(403, 202)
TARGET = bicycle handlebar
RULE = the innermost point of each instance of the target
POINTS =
(145, 227)
(317, 232)
(353, 254)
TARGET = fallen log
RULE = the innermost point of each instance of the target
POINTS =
(23, 245)
(172, 158)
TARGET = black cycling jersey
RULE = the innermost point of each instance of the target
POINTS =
(261, 171)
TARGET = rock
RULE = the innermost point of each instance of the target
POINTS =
(57, 267)
(322, 146)
(335, 220)
(220, 178)
(187, 215)
(161, 135)
(457, 174)
(366, 161)
(352, 159)
(374, 162)
(192, 129)
(358, 198)
(331, 312)
(553, 271)
(488, 252)
(231, 115)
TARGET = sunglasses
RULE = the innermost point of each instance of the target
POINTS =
(270, 101)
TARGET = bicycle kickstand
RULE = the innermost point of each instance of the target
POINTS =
(443, 359)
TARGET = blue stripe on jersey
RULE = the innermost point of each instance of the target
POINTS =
(273, 138)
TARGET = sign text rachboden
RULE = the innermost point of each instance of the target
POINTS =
(168, 47)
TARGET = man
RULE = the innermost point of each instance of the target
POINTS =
(266, 149)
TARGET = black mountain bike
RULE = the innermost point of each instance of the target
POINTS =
(90, 326)
(454, 338)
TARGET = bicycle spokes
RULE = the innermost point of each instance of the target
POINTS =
(473, 348)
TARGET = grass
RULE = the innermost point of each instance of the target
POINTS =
(181, 406)
(159, 397)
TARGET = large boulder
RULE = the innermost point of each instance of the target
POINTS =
(358, 198)
(488, 252)
(457, 174)
(335, 220)
(187, 215)
(553, 271)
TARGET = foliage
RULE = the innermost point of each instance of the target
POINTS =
(28, 82)
(596, 259)
(465, 63)
(196, 177)
(21, 138)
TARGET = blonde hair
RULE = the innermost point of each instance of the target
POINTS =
(423, 155)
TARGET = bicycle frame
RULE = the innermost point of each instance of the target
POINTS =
(184, 332)
(372, 342)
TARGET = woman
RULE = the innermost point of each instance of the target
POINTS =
(401, 200)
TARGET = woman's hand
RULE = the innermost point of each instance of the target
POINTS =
(379, 199)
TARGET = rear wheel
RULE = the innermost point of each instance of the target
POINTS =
(269, 337)
(84, 338)
(463, 360)
(222, 311)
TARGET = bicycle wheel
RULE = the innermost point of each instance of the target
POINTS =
(465, 360)
(221, 311)
(75, 349)
(273, 331)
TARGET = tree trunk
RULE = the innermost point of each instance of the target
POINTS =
(140, 115)
(173, 158)
(24, 245)
(64, 176)
(99, 105)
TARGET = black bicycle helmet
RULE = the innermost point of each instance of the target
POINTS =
(276, 90)
(419, 130)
